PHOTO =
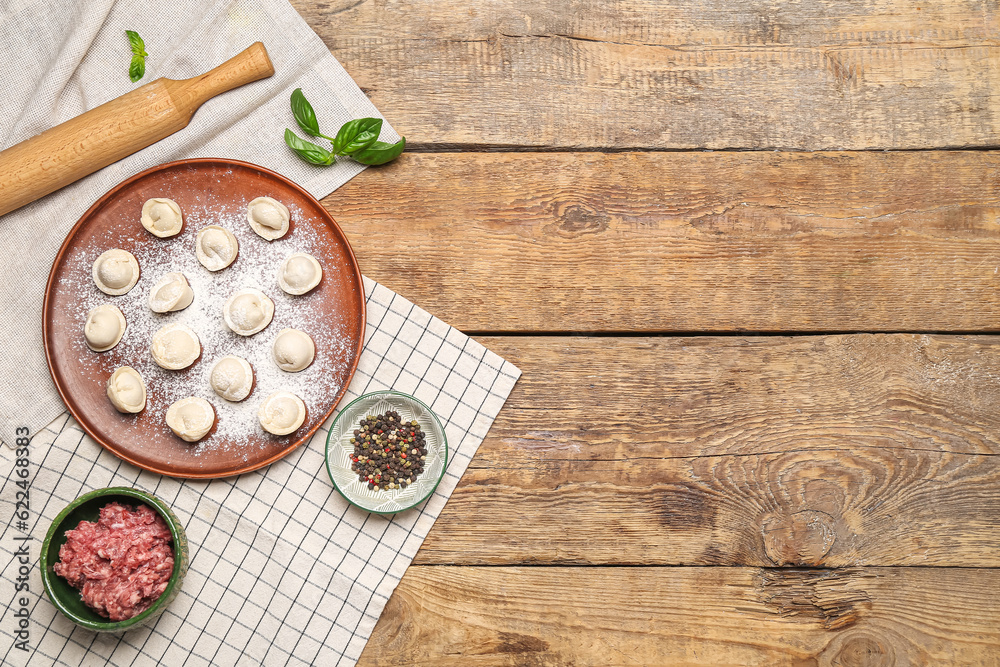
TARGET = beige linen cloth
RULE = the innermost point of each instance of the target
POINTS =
(59, 59)
(283, 570)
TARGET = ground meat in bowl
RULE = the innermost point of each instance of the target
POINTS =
(122, 563)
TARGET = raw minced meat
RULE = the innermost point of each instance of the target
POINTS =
(122, 563)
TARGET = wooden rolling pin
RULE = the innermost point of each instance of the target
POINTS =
(80, 146)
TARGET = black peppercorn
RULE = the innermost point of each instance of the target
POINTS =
(400, 448)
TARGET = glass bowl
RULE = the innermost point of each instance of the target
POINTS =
(339, 450)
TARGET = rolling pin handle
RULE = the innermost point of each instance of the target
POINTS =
(248, 66)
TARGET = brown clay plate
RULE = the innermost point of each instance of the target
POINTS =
(209, 191)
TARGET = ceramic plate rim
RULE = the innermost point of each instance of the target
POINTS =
(83, 421)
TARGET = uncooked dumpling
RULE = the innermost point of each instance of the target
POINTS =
(126, 390)
(299, 273)
(216, 247)
(104, 328)
(268, 217)
(116, 272)
(281, 413)
(191, 418)
(293, 350)
(248, 311)
(162, 217)
(172, 292)
(232, 378)
(175, 346)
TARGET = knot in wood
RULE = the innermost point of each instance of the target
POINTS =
(575, 219)
(864, 650)
(803, 538)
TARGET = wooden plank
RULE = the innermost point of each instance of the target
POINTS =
(686, 242)
(688, 74)
(579, 398)
(835, 508)
(825, 450)
(689, 616)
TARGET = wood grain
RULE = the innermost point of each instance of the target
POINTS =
(781, 455)
(833, 508)
(635, 398)
(689, 616)
(686, 242)
(806, 451)
(688, 74)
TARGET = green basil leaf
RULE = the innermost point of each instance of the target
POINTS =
(308, 151)
(138, 46)
(137, 69)
(355, 135)
(380, 152)
(304, 114)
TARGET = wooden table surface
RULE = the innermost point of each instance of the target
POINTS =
(747, 255)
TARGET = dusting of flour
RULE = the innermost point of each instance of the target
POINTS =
(256, 266)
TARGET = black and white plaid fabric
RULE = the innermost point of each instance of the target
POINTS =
(283, 570)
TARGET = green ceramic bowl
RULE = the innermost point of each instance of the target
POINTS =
(339, 450)
(87, 508)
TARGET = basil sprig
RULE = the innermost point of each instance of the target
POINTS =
(357, 139)
(138, 67)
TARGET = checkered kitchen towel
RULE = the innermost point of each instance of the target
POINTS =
(283, 570)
